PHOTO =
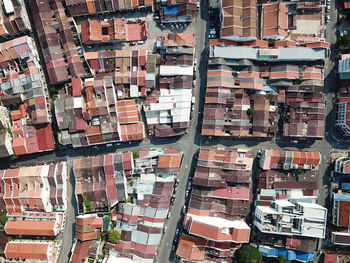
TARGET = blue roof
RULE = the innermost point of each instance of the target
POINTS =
(170, 10)
(287, 254)
(341, 197)
(268, 251)
(345, 186)
(305, 256)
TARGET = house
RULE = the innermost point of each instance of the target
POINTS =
(35, 188)
(24, 94)
(5, 137)
(275, 21)
(343, 121)
(288, 160)
(127, 68)
(57, 34)
(116, 30)
(219, 201)
(151, 176)
(85, 7)
(168, 107)
(45, 251)
(34, 224)
(286, 218)
(14, 20)
(96, 116)
(239, 20)
(88, 227)
(98, 181)
(176, 11)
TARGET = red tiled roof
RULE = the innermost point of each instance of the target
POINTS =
(27, 250)
(191, 248)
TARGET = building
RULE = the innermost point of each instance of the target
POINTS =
(288, 160)
(151, 176)
(127, 68)
(168, 107)
(35, 188)
(286, 218)
(99, 181)
(219, 201)
(272, 252)
(57, 36)
(88, 113)
(14, 20)
(111, 31)
(249, 81)
(85, 7)
(173, 11)
(275, 21)
(343, 104)
(239, 20)
(24, 94)
(344, 67)
(34, 224)
(31, 251)
(88, 227)
(5, 136)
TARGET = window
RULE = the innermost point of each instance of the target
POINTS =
(104, 31)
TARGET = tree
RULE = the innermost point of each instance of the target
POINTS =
(281, 259)
(135, 155)
(13, 157)
(88, 207)
(113, 236)
(248, 254)
(297, 82)
(250, 111)
(3, 218)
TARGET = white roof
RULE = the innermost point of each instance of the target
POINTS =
(134, 91)
(284, 203)
(78, 103)
(175, 70)
(8, 6)
(220, 222)
(267, 210)
(311, 205)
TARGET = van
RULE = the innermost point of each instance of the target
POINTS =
(193, 99)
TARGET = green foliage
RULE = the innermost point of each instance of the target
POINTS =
(344, 40)
(3, 218)
(101, 256)
(13, 157)
(281, 259)
(88, 207)
(224, 129)
(297, 82)
(113, 236)
(11, 239)
(135, 155)
(298, 171)
(9, 131)
(250, 111)
(248, 254)
(76, 41)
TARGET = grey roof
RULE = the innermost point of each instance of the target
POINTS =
(285, 53)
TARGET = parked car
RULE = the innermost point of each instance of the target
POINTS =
(165, 229)
(132, 43)
(184, 209)
(169, 214)
(141, 42)
(155, 18)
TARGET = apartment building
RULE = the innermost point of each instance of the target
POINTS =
(286, 218)
(35, 188)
